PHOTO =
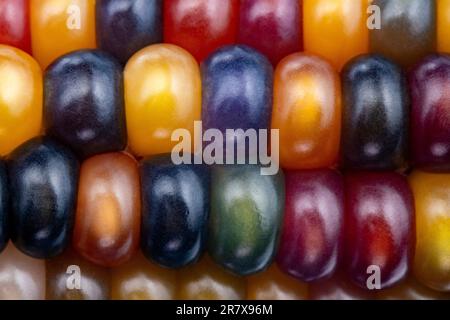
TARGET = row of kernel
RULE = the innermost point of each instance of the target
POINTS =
(70, 277)
(367, 125)
(238, 216)
(335, 29)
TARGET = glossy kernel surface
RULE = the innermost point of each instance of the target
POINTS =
(307, 111)
(107, 224)
(273, 284)
(407, 32)
(206, 280)
(61, 26)
(21, 277)
(432, 200)
(411, 289)
(175, 210)
(162, 94)
(430, 113)
(273, 27)
(379, 227)
(335, 29)
(443, 23)
(246, 217)
(43, 176)
(126, 26)
(15, 24)
(227, 105)
(338, 287)
(4, 206)
(140, 279)
(311, 240)
(201, 26)
(84, 104)
(20, 98)
(375, 124)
